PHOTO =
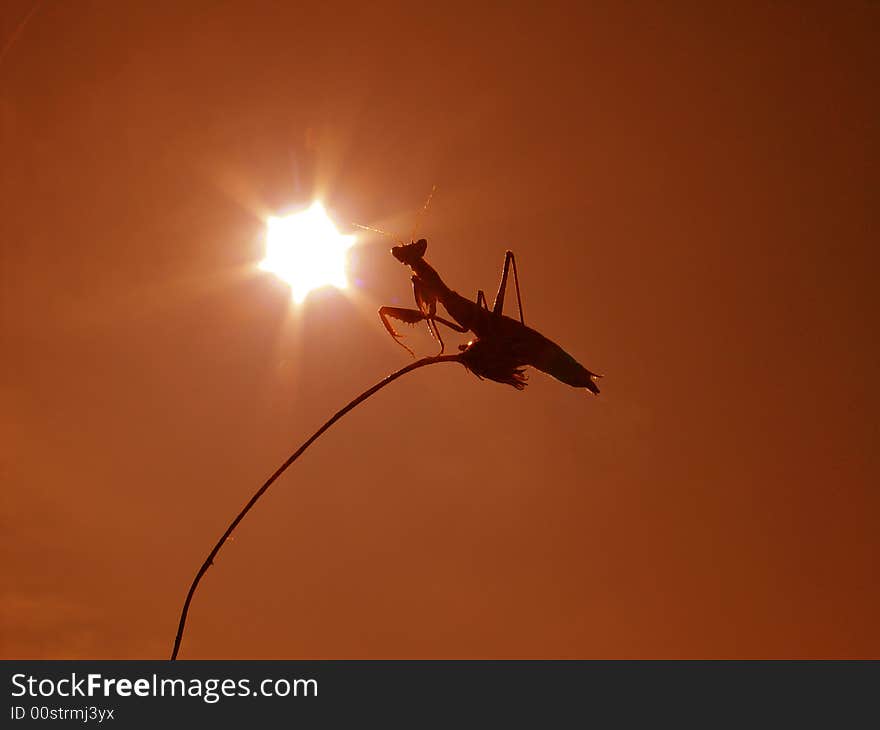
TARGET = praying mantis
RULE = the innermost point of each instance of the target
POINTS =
(502, 345)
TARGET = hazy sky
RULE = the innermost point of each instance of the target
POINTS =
(692, 196)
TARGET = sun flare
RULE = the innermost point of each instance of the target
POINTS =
(306, 251)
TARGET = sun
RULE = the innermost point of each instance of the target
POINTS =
(306, 251)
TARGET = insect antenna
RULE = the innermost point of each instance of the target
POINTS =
(421, 213)
(394, 238)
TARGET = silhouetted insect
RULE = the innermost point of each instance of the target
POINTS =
(502, 345)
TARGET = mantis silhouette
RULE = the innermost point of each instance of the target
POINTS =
(503, 343)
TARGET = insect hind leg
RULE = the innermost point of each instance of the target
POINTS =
(498, 305)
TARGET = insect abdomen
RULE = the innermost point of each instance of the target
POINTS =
(550, 358)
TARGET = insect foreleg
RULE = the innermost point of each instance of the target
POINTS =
(452, 325)
(498, 305)
(481, 300)
(432, 326)
(412, 316)
(426, 300)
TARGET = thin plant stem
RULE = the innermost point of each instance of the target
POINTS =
(262, 490)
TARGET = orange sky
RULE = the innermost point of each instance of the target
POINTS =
(691, 194)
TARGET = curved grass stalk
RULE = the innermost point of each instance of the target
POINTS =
(268, 483)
